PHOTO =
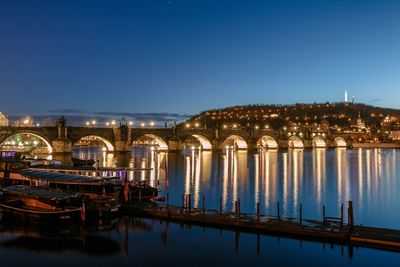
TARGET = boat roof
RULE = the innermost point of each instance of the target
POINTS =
(88, 168)
(26, 191)
(57, 177)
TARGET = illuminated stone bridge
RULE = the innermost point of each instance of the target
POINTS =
(62, 138)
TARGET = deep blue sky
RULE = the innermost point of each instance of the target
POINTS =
(187, 56)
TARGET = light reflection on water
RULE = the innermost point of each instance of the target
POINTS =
(313, 178)
(145, 242)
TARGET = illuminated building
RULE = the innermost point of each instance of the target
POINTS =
(3, 120)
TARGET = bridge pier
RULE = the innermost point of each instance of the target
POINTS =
(61, 146)
(175, 145)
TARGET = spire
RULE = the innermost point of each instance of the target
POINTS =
(345, 96)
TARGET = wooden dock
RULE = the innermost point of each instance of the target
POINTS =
(329, 230)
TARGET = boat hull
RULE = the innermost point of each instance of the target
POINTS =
(34, 216)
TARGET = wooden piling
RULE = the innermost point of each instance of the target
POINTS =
(220, 205)
(239, 208)
(351, 215)
(341, 215)
(301, 213)
(279, 216)
(258, 211)
(204, 204)
(167, 199)
(190, 202)
(236, 208)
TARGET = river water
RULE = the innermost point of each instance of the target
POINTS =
(313, 178)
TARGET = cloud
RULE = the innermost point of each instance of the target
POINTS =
(66, 111)
(76, 117)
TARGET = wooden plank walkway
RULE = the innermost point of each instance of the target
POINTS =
(324, 231)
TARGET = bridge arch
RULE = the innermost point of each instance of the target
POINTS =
(235, 142)
(340, 142)
(91, 138)
(203, 141)
(151, 139)
(10, 143)
(295, 142)
(318, 142)
(267, 141)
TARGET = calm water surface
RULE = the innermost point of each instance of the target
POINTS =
(313, 178)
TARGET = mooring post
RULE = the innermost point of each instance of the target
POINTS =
(258, 211)
(341, 215)
(204, 204)
(301, 213)
(239, 207)
(235, 208)
(190, 202)
(323, 213)
(279, 216)
(187, 203)
(183, 203)
(167, 199)
(220, 205)
(351, 215)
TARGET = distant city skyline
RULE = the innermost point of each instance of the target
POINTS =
(184, 57)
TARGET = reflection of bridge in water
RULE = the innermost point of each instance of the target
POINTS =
(62, 138)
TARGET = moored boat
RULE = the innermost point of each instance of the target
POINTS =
(101, 194)
(40, 205)
(82, 162)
